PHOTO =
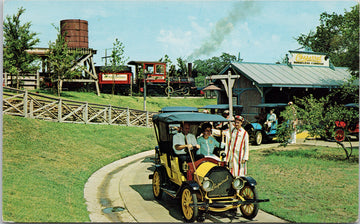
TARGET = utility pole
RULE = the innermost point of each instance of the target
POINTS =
(145, 78)
(106, 57)
(228, 82)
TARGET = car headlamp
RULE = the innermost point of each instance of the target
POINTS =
(207, 184)
(238, 183)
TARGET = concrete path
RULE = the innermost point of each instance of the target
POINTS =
(122, 192)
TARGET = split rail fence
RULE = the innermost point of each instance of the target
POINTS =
(31, 105)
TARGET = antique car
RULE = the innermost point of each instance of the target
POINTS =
(256, 130)
(201, 186)
(344, 128)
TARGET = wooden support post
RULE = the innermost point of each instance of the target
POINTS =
(110, 119)
(127, 117)
(6, 79)
(25, 103)
(97, 87)
(31, 113)
(60, 110)
(86, 113)
(147, 119)
(37, 80)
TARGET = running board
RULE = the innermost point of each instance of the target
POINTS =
(169, 192)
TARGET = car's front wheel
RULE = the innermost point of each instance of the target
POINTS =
(249, 211)
(188, 204)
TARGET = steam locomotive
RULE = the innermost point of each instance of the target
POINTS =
(122, 79)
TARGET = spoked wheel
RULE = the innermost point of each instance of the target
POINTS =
(258, 138)
(249, 211)
(186, 90)
(156, 184)
(169, 90)
(339, 135)
(188, 197)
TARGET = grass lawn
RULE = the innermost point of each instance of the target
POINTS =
(46, 165)
(307, 183)
(134, 102)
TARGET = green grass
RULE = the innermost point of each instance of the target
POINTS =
(307, 184)
(46, 165)
(134, 102)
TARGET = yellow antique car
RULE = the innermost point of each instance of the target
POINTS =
(205, 185)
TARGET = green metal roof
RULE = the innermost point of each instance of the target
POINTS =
(178, 109)
(282, 75)
(220, 106)
(178, 117)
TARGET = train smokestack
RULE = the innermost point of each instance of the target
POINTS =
(190, 69)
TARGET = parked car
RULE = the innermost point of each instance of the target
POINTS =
(257, 132)
(201, 186)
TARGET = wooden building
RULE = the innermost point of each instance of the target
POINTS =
(303, 74)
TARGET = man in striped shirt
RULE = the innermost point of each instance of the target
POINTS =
(237, 148)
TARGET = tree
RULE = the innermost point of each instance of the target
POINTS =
(62, 61)
(117, 57)
(316, 116)
(338, 36)
(117, 60)
(17, 39)
(211, 66)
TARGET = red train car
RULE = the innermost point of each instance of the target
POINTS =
(122, 79)
(117, 79)
(155, 73)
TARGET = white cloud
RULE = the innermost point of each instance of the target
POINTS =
(175, 41)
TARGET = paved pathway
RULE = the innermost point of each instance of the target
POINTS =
(121, 192)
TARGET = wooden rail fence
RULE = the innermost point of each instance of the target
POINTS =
(31, 105)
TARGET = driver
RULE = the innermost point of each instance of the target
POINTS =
(183, 140)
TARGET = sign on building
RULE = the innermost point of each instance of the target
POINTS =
(309, 58)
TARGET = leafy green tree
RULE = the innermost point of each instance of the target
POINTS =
(17, 39)
(166, 60)
(117, 57)
(62, 61)
(117, 60)
(338, 36)
(316, 116)
(211, 66)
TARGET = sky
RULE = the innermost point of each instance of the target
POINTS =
(260, 31)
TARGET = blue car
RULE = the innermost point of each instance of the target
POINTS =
(257, 131)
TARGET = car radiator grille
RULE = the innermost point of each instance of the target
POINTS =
(222, 180)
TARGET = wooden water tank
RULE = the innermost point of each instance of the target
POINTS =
(75, 32)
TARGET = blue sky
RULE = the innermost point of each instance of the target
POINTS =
(262, 31)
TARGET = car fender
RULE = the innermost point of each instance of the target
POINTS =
(192, 184)
(250, 181)
(257, 126)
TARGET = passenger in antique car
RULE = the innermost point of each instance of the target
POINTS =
(207, 142)
(237, 148)
(182, 140)
(270, 119)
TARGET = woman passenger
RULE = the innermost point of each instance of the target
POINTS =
(207, 142)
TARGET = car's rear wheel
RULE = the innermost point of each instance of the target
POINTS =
(157, 181)
(258, 138)
(189, 205)
(249, 211)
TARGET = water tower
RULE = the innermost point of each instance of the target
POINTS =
(76, 32)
